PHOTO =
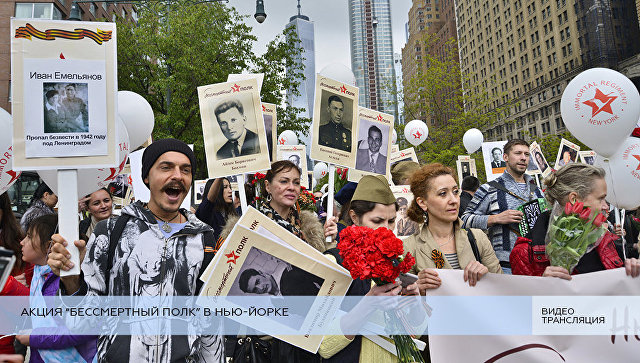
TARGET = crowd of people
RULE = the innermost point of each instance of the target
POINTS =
(158, 248)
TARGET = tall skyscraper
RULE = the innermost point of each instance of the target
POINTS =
(305, 31)
(307, 56)
(397, 63)
(372, 53)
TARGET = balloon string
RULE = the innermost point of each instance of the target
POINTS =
(613, 189)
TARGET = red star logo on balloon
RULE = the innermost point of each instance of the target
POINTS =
(281, 141)
(417, 135)
(600, 102)
(232, 257)
(637, 157)
(343, 89)
(379, 118)
(235, 88)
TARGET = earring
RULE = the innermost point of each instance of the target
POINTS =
(426, 217)
(268, 197)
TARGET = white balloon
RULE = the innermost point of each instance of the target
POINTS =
(137, 115)
(339, 72)
(90, 180)
(7, 175)
(320, 170)
(394, 137)
(472, 140)
(600, 107)
(288, 137)
(623, 174)
(416, 132)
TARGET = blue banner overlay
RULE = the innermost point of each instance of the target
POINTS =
(277, 315)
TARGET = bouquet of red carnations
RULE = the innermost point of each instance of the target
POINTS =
(306, 200)
(571, 233)
(378, 256)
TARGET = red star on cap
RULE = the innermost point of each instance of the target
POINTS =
(235, 88)
(637, 157)
(343, 89)
(603, 99)
(417, 135)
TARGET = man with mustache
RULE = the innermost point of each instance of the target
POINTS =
(493, 207)
(153, 249)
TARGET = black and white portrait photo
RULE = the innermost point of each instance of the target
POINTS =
(492, 154)
(294, 158)
(237, 129)
(588, 157)
(372, 147)
(65, 107)
(335, 129)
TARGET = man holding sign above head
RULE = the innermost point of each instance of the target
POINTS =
(333, 133)
(241, 141)
(494, 205)
(153, 249)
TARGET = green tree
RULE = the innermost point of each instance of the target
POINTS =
(172, 50)
(435, 95)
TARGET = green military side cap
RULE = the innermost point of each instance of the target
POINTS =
(374, 189)
(403, 170)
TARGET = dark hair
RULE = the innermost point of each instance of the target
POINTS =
(334, 98)
(226, 106)
(374, 128)
(511, 143)
(243, 282)
(470, 183)
(280, 166)
(402, 201)
(10, 232)
(50, 93)
(218, 196)
(39, 193)
(360, 207)
(420, 185)
(43, 227)
(71, 85)
(495, 148)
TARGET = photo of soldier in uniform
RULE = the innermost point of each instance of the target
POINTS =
(233, 122)
(335, 122)
(65, 107)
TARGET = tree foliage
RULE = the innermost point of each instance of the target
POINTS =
(435, 93)
(172, 50)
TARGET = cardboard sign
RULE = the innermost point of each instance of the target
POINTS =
(373, 153)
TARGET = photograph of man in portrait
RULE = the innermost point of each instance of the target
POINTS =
(264, 274)
(65, 107)
(566, 155)
(335, 129)
(238, 131)
(372, 147)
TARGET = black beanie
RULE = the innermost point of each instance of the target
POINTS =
(159, 147)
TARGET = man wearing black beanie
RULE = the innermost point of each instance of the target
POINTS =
(152, 249)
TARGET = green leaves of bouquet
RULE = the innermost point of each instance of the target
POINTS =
(572, 233)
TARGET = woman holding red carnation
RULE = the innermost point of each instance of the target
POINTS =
(372, 205)
(441, 242)
(574, 183)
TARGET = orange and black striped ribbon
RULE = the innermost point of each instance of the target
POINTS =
(28, 31)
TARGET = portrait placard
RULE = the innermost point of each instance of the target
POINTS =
(335, 121)
(403, 155)
(297, 154)
(233, 128)
(64, 92)
(539, 159)
(466, 167)
(494, 163)
(373, 145)
(587, 156)
(404, 226)
(270, 118)
(247, 253)
(198, 190)
(567, 153)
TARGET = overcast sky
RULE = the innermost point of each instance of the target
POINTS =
(331, 21)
